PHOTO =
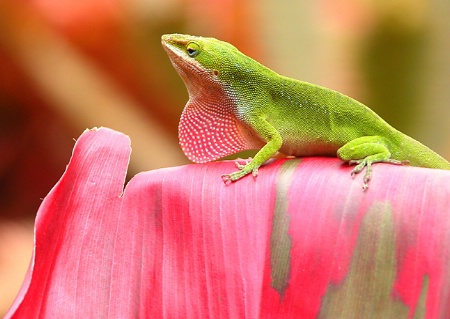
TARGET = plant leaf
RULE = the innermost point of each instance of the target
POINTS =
(302, 240)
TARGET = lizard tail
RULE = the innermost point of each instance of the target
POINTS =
(419, 155)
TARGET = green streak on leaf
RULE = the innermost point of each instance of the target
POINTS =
(366, 292)
(421, 304)
(280, 240)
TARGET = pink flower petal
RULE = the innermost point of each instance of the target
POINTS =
(303, 240)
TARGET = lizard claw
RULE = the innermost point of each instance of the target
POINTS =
(241, 166)
(226, 178)
(243, 171)
(360, 164)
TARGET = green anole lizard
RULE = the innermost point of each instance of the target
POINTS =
(236, 103)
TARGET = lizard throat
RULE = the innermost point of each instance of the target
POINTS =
(209, 128)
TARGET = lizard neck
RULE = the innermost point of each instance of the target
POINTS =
(209, 128)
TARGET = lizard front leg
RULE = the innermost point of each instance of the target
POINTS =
(274, 141)
(365, 151)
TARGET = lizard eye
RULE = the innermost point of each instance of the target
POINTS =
(192, 49)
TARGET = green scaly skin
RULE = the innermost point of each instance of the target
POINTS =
(236, 103)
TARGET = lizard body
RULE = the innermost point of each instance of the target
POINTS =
(236, 103)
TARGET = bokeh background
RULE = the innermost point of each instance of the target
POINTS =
(70, 65)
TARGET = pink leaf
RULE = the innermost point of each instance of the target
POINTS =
(302, 240)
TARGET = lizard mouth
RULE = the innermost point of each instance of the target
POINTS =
(177, 56)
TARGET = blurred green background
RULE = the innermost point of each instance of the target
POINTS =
(70, 65)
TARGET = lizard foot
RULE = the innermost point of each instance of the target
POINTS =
(244, 170)
(360, 164)
(241, 166)
(226, 178)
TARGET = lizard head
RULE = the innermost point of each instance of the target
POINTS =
(200, 52)
(208, 128)
(200, 60)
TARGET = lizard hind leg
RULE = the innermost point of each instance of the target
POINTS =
(365, 151)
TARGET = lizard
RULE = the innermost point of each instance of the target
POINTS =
(236, 103)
